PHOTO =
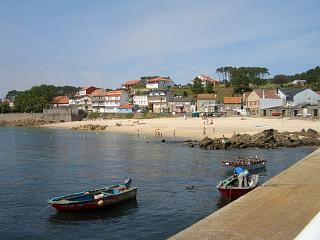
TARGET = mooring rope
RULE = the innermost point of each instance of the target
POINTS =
(42, 210)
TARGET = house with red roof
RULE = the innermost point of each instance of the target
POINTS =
(115, 99)
(86, 90)
(132, 83)
(98, 98)
(206, 79)
(233, 105)
(125, 108)
(60, 101)
(261, 99)
(83, 98)
(159, 83)
(109, 102)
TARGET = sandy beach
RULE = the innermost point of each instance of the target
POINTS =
(194, 128)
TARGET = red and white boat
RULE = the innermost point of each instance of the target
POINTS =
(229, 189)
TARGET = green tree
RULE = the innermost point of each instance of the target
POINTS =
(4, 107)
(209, 87)
(280, 79)
(197, 87)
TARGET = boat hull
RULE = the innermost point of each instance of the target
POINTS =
(231, 194)
(230, 191)
(97, 203)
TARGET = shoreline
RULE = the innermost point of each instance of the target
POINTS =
(193, 128)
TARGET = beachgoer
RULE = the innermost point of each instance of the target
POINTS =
(242, 176)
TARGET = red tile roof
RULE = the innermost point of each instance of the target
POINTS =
(115, 93)
(232, 100)
(207, 78)
(207, 96)
(60, 100)
(126, 106)
(266, 93)
(88, 90)
(131, 83)
(158, 79)
(99, 92)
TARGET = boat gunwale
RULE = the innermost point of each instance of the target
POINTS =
(56, 200)
(220, 186)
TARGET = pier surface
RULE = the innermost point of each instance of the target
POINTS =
(279, 209)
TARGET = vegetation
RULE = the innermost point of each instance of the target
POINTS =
(4, 107)
(197, 87)
(209, 88)
(240, 78)
(38, 97)
(312, 77)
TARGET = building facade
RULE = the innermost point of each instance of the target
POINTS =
(159, 100)
(261, 98)
(182, 105)
(159, 83)
(233, 105)
(141, 100)
(208, 103)
(114, 99)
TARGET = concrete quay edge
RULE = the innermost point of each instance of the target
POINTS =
(279, 209)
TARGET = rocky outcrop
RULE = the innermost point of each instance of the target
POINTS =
(91, 127)
(29, 122)
(266, 139)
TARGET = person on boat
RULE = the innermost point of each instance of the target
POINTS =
(242, 176)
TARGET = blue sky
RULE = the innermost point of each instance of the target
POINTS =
(104, 43)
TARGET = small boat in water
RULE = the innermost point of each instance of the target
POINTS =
(250, 163)
(230, 190)
(96, 198)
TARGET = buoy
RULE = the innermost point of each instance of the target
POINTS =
(100, 203)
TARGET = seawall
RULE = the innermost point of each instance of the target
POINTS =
(279, 209)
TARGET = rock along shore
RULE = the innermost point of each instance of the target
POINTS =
(32, 122)
(266, 139)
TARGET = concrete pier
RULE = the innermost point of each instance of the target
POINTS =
(279, 209)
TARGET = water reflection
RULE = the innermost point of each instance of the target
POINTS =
(221, 202)
(115, 211)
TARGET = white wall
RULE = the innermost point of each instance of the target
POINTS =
(269, 102)
(306, 97)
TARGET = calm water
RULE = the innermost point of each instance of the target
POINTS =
(37, 164)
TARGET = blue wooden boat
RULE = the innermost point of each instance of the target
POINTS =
(96, 198)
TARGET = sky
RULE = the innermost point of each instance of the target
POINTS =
(105, 43)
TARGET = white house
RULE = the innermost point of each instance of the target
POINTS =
(159, 82)
(296, 96)
(140, 100)
(99, 100)
(306, 96)
(83, 98)
(299, 82)
(114, 99)
(206, 79)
